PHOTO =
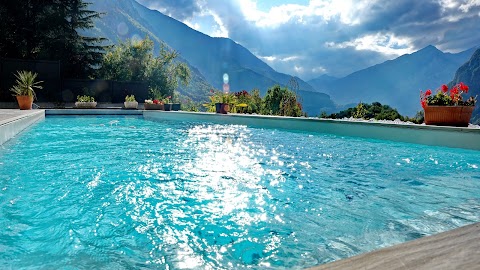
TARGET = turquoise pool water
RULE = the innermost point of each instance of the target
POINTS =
(125, 193)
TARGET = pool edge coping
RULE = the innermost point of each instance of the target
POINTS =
(12, 126)
(453, 249)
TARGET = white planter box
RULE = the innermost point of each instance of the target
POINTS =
(85, 105)
(130, 104)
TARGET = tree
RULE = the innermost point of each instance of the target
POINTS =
(134, 61)
(281, 101)
(49, 30)
(368, 111)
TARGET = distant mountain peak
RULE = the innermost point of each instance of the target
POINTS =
(429, 49)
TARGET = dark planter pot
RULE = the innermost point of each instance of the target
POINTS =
(222, 108)
(167, 106)
(176, 107)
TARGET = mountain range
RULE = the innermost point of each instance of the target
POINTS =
(396, 82)
(469, 73)
(209, 57)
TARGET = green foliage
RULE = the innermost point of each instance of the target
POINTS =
(256, 101)
(134, 61)
(248, 102)
(360, 111)
(418, 119)
(281, 101)
(130, 98)
(189, 105)
(220, 97)
(370, 111)
(85, 98)
(50, 30)
(26, 84)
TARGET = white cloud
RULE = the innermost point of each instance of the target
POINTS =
(319, 70)
(347, 11)
(466, 6)
(387, 44)
(268, 58)
(195, 26)
(299, 69)
(220, 30)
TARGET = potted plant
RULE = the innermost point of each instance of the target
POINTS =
(167, 103)
(130, 102)
(176, 103)
(24, 89)
(153, 104)
(447, 107)
(224, 101)
(85, 102)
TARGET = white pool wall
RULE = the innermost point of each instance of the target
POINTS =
(467, 138)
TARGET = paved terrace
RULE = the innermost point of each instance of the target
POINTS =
(455, 249)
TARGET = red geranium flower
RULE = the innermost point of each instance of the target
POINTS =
(428, 93)
(424, 104)
(155, 101)
(463, 87)
(444, 88)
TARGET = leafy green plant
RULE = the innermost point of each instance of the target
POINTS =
(368, 111)
(281, 101)
(360, 111)
(167, 100)
(220, 97)
(135, 61)
(130, 98)
(85, 98)
(26, 83)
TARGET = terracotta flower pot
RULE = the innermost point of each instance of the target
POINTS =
(458, 116)
(25, 102)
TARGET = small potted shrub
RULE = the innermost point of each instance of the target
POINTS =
(153, 104)
(24, 89)
(175, 103)
(224, 101)
(447, 107)
(130, 102)
(85, 102)
(167, 103)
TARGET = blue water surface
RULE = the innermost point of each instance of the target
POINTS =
(126, 193)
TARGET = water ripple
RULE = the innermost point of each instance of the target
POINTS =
(91, 193)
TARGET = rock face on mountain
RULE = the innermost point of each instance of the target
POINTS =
(396, 82)
(212, 57)
(469, 74)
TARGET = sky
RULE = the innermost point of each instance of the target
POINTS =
(309, 38)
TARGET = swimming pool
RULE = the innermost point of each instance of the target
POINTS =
(110, 192)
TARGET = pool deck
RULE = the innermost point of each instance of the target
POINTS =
(14, 121)
(455, 249)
